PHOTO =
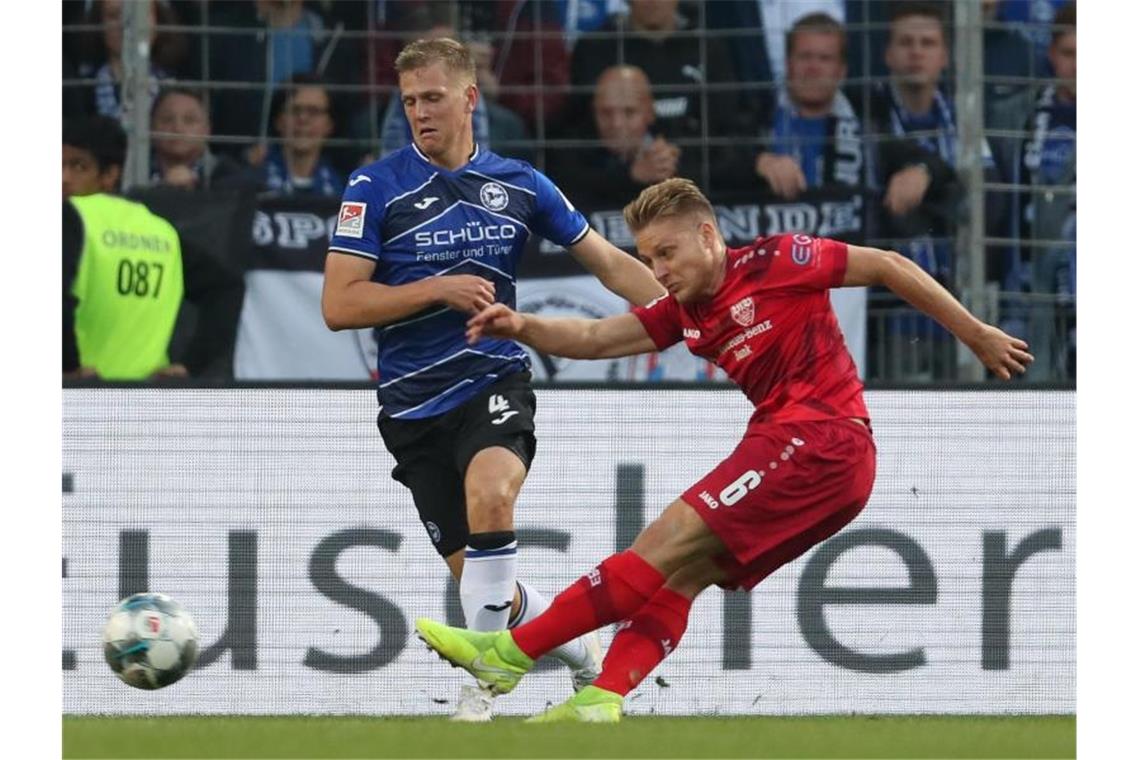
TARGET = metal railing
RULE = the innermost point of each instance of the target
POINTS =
(1016, 300)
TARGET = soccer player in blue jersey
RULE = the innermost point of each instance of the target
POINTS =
(426, 237)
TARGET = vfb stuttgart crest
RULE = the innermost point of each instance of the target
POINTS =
(743, 312)
(493, 196)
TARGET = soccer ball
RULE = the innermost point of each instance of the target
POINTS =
(150, 641)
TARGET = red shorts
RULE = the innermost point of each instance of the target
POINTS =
(784, 488)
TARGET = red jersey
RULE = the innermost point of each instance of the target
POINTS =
(771, 328)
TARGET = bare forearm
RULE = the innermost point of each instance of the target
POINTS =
(568, 337)
(908, 281)
(631, 280)
(370, 304)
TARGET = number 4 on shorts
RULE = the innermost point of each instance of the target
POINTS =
(497, 404)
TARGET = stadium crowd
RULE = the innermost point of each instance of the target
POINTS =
(765, 99)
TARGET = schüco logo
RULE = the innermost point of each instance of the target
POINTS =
(473, 232)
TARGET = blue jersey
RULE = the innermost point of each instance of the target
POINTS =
(417, 220)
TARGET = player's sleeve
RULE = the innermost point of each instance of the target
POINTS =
(661, 318)
(555, 217)
(358, 220)
(803, 261)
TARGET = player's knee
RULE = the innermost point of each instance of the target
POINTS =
(490, 509)
(693, 578)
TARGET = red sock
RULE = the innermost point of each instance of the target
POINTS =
(610, 592)
(650, 635)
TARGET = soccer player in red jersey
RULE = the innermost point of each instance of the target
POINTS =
(803, 470)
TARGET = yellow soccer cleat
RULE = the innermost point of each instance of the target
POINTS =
(590, 705)
(492, 657)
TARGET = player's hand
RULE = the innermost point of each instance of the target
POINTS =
(906, 189)
(1002, 354)
(782, 173)
(465, 292)
(496, 321)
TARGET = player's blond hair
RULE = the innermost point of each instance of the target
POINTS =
(670, 197)
(451, 53)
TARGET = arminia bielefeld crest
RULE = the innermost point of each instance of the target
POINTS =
(743, 312)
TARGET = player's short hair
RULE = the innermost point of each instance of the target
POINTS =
(1065, 21)
(931, 10)
(817, 23)
(451, 53)
(670, 197)
(101, 136)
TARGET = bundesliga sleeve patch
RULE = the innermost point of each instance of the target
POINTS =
(350, 222)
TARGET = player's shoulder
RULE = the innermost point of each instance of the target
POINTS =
(509, 171)
(386, 175)
(758, 253)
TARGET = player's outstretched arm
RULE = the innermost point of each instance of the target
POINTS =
(621, 335)
(351, 300)
(618, 271)
(1002, 354)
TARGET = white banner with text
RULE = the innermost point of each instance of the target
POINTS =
(271, 515)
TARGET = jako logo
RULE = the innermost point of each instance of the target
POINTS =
(693, 333)
(473, 233)
(707, 498)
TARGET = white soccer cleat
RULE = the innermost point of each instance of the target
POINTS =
(475, 705)
(585, 675)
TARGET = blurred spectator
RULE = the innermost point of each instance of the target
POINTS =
(577, 17)
(302, 117)
(1033, 20)
(494, 125)
(1009, 62)
(182, 157)
(285, 38)
(1008, 56)
(916, 131)
(105, 52)
(631, 156)
(659, 40)
(815, 137)
(1048, 212)
(915, 152)
(123, 272)
(531, 61)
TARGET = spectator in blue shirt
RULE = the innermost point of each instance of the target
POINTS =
(814, 136)
(303, 118)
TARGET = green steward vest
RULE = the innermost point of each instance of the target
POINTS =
(129, 286)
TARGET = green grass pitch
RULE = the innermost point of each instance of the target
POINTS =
(661, 737)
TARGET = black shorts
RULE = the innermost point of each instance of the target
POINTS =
(432, 454)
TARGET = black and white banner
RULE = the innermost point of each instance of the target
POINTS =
(271, 515)
(282, 335)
